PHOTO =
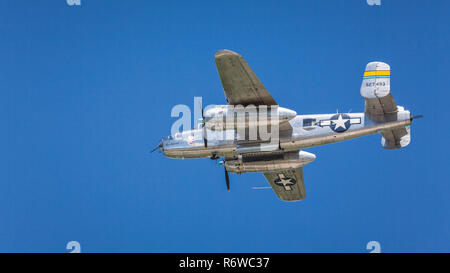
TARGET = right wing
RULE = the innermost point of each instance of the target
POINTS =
(239, 82)
(288, 184)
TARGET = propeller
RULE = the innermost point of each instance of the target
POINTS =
(227, 178)
(157, 147)
(205, 137)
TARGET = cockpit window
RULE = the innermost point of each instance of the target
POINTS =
(309, 122)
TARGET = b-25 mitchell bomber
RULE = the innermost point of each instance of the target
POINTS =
(281, 159)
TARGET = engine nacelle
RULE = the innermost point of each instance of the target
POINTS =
(217, 117)
(260, 162)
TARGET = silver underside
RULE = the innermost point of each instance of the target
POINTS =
(229, 148)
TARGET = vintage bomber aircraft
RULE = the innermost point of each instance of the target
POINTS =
(282, 164)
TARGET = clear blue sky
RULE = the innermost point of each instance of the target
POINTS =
(87, 91)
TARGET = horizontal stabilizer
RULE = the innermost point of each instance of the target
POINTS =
(396, 138)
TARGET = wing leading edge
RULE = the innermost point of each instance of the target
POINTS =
(239, 82)
(288, 184)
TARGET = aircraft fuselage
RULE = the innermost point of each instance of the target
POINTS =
(307, 131)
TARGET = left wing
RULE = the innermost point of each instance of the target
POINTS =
(239, 82)
(288, 184)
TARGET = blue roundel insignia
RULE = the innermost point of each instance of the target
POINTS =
(340, 123)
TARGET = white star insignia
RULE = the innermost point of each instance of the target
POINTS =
(285, 182)
(340, 123)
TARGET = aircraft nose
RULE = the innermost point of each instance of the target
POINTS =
(161, 145)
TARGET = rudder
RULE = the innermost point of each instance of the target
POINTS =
(380, 106)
